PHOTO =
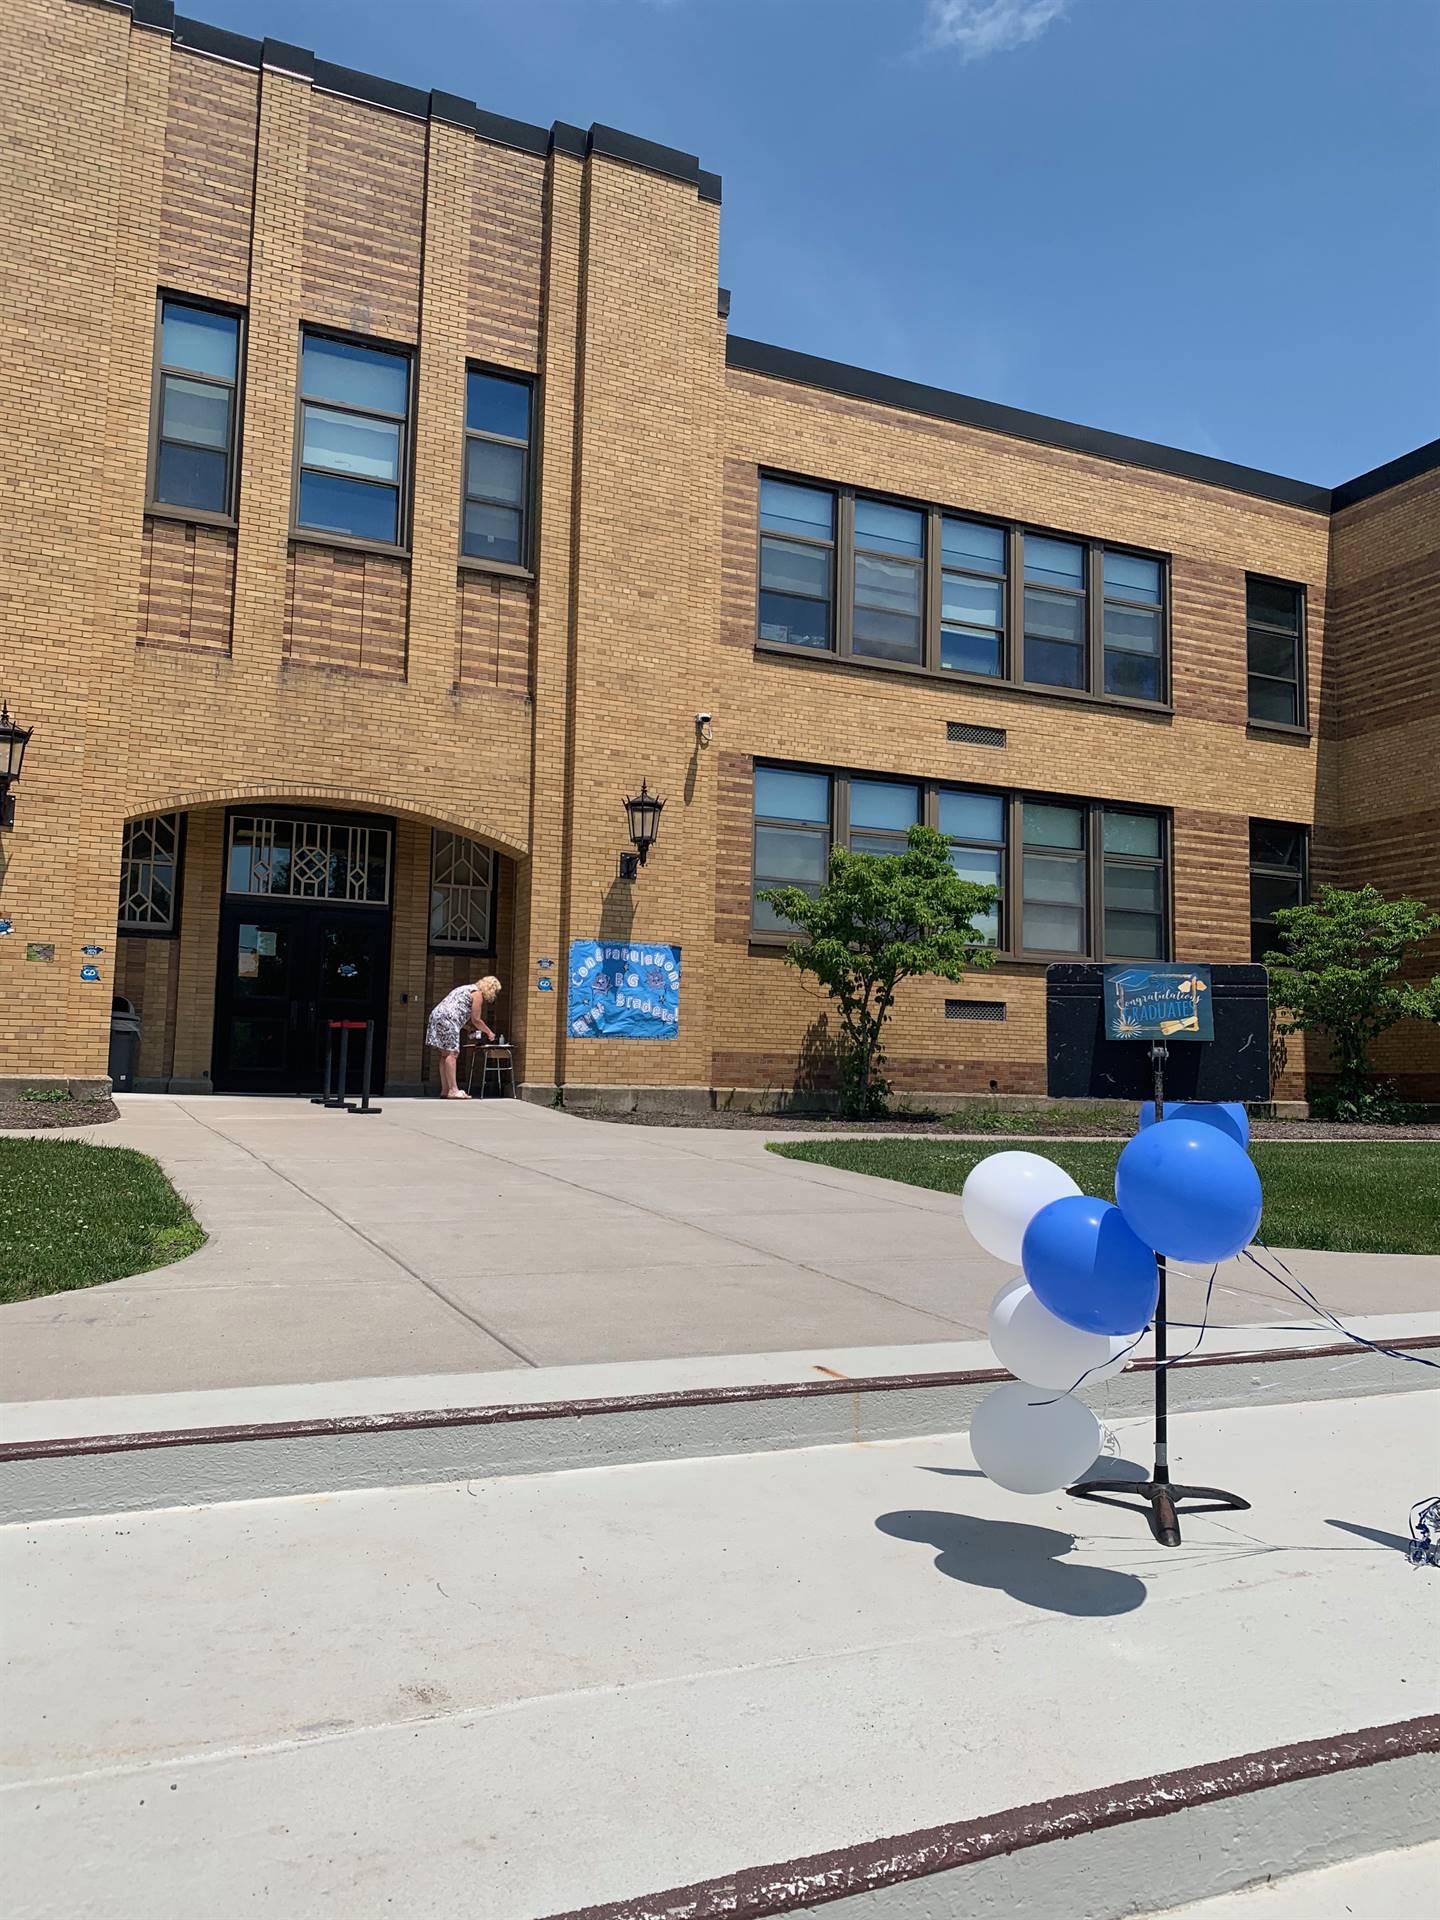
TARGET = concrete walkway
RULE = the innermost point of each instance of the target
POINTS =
(464, 1238)
(515, 1698)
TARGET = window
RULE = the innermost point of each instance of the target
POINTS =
(309, 860)
(1274, 645)
(792, 837)
(881, 816)
(914, 586)
(1053, 916)
(462, 890)
(972, 597)
(974, 824)
(889, 582)
(354, 414)
(1279, 859)
(196, 388)
(1133, 883)
(149, 870)
(797, 561)
(1132, 639)
(497, 469)
(1054, 612)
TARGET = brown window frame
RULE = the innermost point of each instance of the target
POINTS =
(478, 562)
(1271, 870)
(1011, 677)
(1011, 902)
(830, 548)
(155, 929)
(325, 536)
(1299, 634)
(167, 509)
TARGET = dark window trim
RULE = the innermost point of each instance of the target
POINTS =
(1012, 899)
(172, 932)
(475, 563)
(398, 548)
(836, 644)
(167, 509)
(1011, 678)
(1301, 636)
(1266, 869)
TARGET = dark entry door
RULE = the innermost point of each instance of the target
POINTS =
(285, 970)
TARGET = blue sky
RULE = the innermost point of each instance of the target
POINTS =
(1214, 223)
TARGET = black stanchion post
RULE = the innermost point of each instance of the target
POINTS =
(343, 1078)
(323, 1099)
(365, 1106)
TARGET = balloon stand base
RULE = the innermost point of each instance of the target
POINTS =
(1160, 1502)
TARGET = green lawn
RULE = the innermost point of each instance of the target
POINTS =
(1351, 1197)
(72, 1214)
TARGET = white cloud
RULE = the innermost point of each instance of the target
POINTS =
(976, 28)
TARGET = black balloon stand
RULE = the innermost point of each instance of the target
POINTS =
(1158, 1498)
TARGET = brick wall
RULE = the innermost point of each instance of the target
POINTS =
(175, 666)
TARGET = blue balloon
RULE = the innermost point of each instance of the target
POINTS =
(1189, 1191)
(1084, 1264)
(1229, 1115)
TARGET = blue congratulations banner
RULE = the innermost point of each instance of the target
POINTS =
(1158, 1003)
(623, 991)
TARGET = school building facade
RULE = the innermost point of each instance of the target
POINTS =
(390, 499)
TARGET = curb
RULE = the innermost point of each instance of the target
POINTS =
(127, 1472)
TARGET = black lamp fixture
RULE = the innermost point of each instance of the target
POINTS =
(13, 741)
(643, 811)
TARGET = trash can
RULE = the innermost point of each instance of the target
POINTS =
(124, 1044)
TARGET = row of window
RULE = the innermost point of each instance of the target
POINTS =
(315, 860)
(1072, 877)
(845, 573)
(352, 436)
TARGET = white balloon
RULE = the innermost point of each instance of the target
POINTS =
(1031, 1444)
(1002, 1195)
(1045, 1351)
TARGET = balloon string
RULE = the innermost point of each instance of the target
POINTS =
(1293, 1284)
(1173, 1360)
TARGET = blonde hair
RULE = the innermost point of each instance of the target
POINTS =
(488, 988)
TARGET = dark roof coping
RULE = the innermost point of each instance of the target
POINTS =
(197, 36)
(780, 363)
(1406, 466)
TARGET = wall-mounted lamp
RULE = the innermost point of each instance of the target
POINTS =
(704, 727)
(643, 811)
(13, 741)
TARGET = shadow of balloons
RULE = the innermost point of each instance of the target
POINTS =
(1396, 1540)
(1026, 1562)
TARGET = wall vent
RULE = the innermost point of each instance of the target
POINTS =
(966, 734)
(991, 1010)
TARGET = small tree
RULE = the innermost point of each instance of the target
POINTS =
(1333, 972)
(880, 919)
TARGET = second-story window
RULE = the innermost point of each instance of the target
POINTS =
(354, 416)
(197, 379)
(889, 582)
(797, 564)
(972, 597)
(497, 468)
(1132, 625)
(1054, 611)
(1274, 645)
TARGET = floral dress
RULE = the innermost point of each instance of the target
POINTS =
(446, 1020)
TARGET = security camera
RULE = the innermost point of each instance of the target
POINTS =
(703, 719)
(703, 722)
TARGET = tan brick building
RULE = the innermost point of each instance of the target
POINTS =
(385, 500)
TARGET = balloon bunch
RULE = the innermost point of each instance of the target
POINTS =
(1186, 1188)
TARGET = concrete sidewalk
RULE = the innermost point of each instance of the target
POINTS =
(452, 1237)
(517, 1698)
